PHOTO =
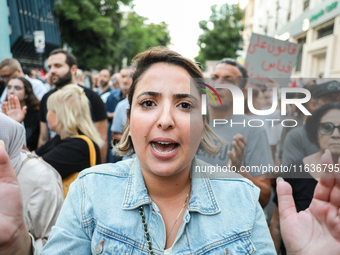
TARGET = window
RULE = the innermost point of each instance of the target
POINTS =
(301, 41)
(305, 4)
(328, 30)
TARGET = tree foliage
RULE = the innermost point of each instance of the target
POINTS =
(138, 35)
(101, 36)
(223, 39)
(90, 27)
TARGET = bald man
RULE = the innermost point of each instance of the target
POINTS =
(11, 68)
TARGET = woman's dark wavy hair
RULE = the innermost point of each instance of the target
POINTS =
(313, 121)
(32, 102)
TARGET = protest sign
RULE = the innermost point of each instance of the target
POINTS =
(269, 57)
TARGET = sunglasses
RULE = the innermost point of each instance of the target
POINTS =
(327, 128)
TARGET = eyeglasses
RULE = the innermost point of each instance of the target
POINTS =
(327, 128)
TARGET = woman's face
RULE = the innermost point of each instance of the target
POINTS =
(163, 108)
(52, 120)
(331, 141)
(16, 87)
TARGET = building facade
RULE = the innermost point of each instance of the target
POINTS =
(315, 24)
(24, 18)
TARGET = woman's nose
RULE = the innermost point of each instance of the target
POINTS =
(166, 118)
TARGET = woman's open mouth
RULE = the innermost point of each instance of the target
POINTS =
(164, 147)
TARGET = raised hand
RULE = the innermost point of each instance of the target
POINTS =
(14, 238)
(317, 229)
(12, 109)
(236, 154)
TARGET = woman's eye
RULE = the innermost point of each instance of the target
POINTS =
(147, 103)
(186, 105)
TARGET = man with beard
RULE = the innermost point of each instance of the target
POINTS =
(104, 89)
(63, 66)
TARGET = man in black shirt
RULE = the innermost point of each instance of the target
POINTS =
(63, 66)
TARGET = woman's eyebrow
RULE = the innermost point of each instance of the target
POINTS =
(157, 94)
(185, 96)
(150, 93)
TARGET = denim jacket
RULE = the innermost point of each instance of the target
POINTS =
(100, 216)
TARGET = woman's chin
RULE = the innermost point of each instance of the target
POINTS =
(165, 169)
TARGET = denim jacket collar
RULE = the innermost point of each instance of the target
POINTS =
(202, 199)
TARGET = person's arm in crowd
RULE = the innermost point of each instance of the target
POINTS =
(274, 228)
(317, 229)
(44, 134)
(101, 126)
(236, 156)
(264, 184)
(110, 115)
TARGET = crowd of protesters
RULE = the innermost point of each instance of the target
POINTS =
(68, 120)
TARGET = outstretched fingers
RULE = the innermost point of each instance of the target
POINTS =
(239, 143)
(14, 102)
(285, 198)
(328, 188)
(5, 107)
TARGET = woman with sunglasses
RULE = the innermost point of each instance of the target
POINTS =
(323, 129)
(311, 187)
